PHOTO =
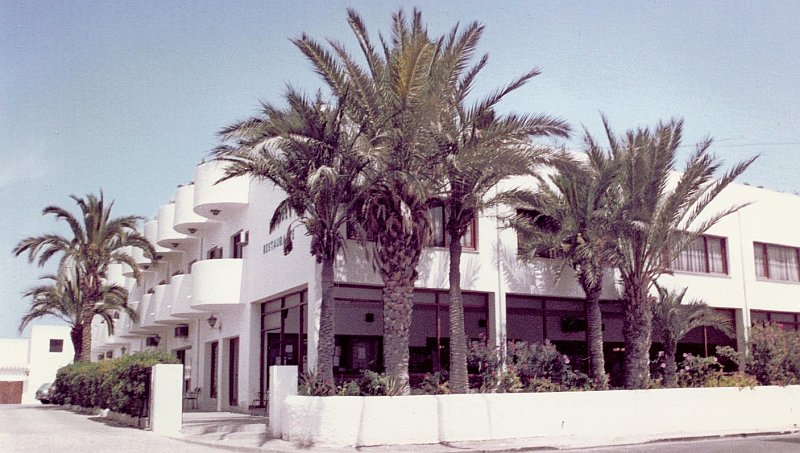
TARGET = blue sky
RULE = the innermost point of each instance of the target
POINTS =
(127, 96)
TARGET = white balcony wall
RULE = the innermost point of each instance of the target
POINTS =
(217, 201)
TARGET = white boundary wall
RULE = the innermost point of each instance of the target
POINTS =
(632, 414)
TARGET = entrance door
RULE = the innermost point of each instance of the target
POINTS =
(10, 392)
(233, 372)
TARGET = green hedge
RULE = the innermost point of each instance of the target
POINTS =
(118, 384)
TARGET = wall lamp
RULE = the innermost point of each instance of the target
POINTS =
(213, 323)
(215, 211)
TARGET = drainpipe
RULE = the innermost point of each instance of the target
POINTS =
(745, 307)
(500, 304)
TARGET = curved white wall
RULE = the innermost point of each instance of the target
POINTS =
(217, 284)
(232, 194)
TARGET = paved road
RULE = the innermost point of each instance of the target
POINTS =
(34, 429)
(755, 444)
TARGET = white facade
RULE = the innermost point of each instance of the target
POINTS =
(35, 360)
(217, 259)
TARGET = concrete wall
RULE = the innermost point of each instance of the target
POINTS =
(635, 414)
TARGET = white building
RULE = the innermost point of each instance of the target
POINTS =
(27, 363)
(229, 303)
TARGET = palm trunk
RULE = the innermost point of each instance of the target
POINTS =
(397, 305)
(86, 337)
(637, 329)
(76, 335)
(670, 368)
(326, 345)
(459, 381)
(594, 338)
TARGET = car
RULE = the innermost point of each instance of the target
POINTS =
(45, 392)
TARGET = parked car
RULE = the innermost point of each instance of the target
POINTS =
(44, 392)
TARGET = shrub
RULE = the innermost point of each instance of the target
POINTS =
(379, 384)
(738, 379)
(311, 384)
(698, 371)
(532, 367)
(435, 384)
(119, 384)
(775, 355)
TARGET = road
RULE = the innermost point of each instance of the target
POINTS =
(754, 444)
(34, 429)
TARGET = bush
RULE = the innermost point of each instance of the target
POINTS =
(698, 371)
(775, 355)
(535, 367)
(119, 384)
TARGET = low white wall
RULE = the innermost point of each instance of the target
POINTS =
(363, 421)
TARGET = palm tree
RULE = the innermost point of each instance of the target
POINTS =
(675, 320)
(477, 149)
(97, 241)
(574, 219)
(660, 221)
(63, 298)
(308, 151)
(392, 102)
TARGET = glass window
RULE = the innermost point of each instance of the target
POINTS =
(440, 238)
(775, 262)
(706, 254)
(56, 345)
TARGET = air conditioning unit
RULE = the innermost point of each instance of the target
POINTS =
(182, 331)
(244, 237)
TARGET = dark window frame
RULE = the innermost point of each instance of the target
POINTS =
(56, 345)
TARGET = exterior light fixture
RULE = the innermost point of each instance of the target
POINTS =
(192, 230)
(215, 211)
(175, 244)
(212, 322)
(124, 350)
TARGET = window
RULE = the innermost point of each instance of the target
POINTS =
(56, 345)
(238, 241)
(530, 221)
(439, 236)
(775, 262)
(706, 254)
(212, 387)
(215, 253)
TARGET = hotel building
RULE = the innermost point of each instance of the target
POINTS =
(226, 300)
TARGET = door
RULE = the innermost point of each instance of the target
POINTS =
(233, 372)
(10, 392)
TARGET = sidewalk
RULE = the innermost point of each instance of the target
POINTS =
(241, 432)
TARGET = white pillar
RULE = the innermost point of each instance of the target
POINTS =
(166, 399)
(282, 383)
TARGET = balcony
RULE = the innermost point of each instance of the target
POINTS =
(139, 327)
(181, 287)
(114, 274)
(164, 309)
(186, 220)
(167, 236)
(149, 317)
(151, 234)
(218, 201)
(216, 284)
(128, 326)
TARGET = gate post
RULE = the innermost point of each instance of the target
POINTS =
(166, 399)
(282, 383)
